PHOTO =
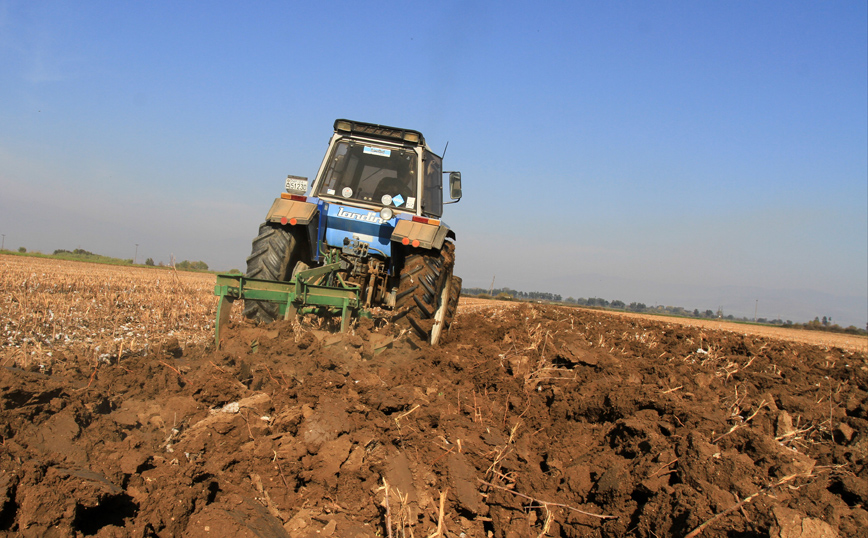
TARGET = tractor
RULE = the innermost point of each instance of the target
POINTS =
(364, 239)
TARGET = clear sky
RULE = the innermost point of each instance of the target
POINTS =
(713, 153)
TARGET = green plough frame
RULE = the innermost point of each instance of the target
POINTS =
(319, 291)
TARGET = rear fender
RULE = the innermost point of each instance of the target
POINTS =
(421, 235)
(295, 213)
(291, 212)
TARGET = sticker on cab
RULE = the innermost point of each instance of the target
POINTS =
(411, 202)
(347, 192)
(382, 152)
(398, 200)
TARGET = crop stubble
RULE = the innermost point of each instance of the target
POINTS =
(51, 309)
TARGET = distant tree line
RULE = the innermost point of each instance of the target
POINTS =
(187, 265)
(508, 294)
(80, 254)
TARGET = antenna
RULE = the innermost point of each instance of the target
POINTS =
(444, 150)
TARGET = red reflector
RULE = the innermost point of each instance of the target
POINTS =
(293, 221)
(423, 220)
(405, 241)
(415, 242)
(283, 220)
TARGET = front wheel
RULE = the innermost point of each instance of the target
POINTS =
(277, 250)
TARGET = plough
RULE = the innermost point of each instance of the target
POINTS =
(321, 291)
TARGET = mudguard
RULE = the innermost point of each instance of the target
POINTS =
(418, 234)
(291, 212)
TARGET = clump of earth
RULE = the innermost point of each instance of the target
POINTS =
(528, 421)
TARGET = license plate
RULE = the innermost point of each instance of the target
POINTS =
(295, 184)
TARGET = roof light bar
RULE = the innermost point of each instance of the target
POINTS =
(379, 131)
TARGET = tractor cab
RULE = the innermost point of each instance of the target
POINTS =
(386, 169)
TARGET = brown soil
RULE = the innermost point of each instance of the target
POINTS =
(528, 421)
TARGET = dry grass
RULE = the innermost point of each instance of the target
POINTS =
(53, 309)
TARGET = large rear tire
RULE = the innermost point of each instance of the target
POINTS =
(422, 302)
(276, 252)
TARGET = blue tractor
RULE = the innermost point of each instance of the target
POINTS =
(365, 238)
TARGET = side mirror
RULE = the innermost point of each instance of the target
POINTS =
(296, 185)
(455, 185)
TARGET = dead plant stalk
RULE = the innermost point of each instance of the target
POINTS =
(547, 503)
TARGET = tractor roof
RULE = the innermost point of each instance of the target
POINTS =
(380, 131)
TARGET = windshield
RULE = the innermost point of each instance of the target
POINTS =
(373, 174)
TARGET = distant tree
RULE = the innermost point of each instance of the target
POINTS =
(187, 265)
(709, 313)
(825, 321)
(149, 262)
(503, 296)
(696, 312)
(234, 272)
(617, 304)
(22, 250)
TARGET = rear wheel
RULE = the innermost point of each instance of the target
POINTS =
(276, 252)
(422, 302)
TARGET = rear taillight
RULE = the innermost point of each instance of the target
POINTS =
(293, 197)
(424, 220)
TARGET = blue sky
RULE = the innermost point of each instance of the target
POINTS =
(685, 153)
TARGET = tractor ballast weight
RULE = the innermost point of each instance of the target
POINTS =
(364, 239)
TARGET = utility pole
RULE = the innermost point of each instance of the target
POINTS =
(492, 284)
(3, 247)
(136, 257)
(755, 310)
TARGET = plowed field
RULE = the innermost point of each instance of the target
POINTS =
(118, 417)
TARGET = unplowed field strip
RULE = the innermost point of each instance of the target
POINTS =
(817, 338)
